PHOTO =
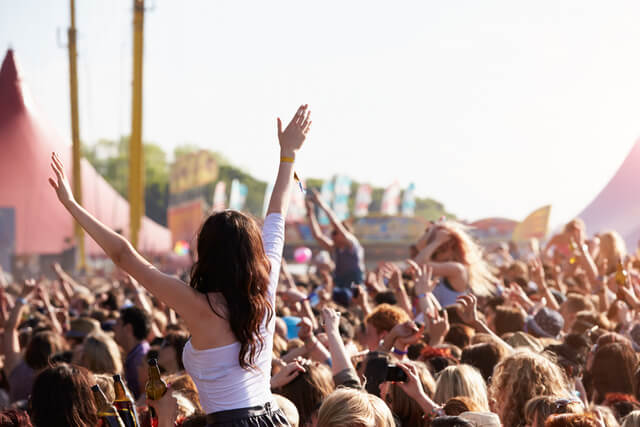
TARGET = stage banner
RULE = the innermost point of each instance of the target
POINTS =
(219, 197)
(341, 197)
(184, 221)
(326, 192)
(363, 200)
(409, 200)
(536, 225)
(238, 195)
(192, 170)
(391, 200)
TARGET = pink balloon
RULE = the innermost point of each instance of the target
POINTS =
(302, 255)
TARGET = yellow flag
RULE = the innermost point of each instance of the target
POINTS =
(535, 225)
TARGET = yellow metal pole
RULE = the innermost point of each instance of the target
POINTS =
(75, 133)
(136, 158)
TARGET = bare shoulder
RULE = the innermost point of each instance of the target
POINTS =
(211, 328)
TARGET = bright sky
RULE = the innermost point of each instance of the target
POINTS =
(492, 107)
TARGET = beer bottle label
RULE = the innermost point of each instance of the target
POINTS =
(127, 417)
(111, 421)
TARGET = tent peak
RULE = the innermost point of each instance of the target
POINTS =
(13, 99)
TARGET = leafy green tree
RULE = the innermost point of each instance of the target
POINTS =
(111, 160)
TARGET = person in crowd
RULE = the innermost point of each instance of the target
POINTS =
(448, 249)
(348, 253)
(539, 408)
(170, 352)
(228, 305)
(574, 233)
(100, 354)
(625, 360)
(461, 380)
(62, 397)
(350, 407)
(381, 322)
(131, 331)
(520, 377)
(450, 337)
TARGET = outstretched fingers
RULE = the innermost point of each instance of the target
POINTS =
(307, 120)
(300, 114)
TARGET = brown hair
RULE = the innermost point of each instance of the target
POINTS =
(406, 408)
(62, 397)
(42, 346)
(571, 420)
(613, 369)
(484, 357)
(385, 316)
(459, 404)
(544, 406)
(577, 302)
(459, 335)
(508, 319)
(518, 378)
(14, 418)
(231, 260)
(309, 389)
(177, 341)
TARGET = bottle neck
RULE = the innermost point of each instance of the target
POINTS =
(121, 394)
(154, 372)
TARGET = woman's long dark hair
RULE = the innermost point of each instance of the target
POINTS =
(231, 260)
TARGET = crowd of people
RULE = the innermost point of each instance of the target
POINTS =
(455, 335)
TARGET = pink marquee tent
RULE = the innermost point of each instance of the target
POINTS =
(617, 207)
(40, 224)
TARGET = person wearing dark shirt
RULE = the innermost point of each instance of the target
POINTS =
(131, 331)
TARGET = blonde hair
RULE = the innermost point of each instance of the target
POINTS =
(520, 377)
(348, 407)
(612, 248)
(100, 354)
(479, 274)
(461, 380)
(105, 382)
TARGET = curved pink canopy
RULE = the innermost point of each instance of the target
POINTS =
(617, 207)
(42, 226)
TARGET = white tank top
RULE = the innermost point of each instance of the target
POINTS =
(222, 384)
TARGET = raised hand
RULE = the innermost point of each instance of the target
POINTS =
(28, 287)
(467, 309)
(413, 386)
(292, 138)
(331, 320)
(537, 272)
(61, 183)
(424, 283)
(287, 374)
(305, 331)
(438, 325)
